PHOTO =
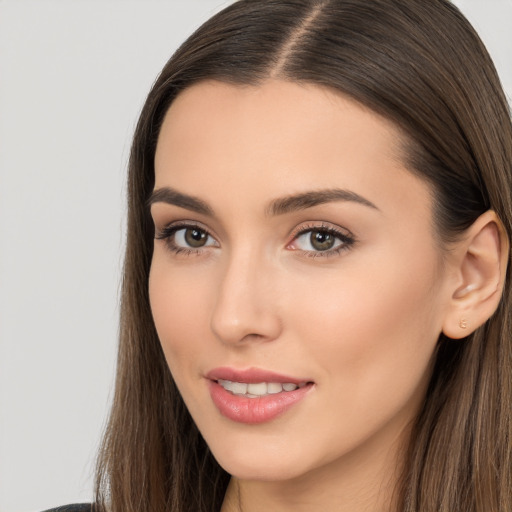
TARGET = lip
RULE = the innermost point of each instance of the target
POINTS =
(252, 376)
(247, 410)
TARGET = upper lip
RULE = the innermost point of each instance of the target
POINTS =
(252, 376)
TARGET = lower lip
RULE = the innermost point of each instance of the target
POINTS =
(254, 410)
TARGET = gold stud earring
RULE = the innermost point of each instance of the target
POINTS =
(463, 323)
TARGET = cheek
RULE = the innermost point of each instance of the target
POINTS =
(373, 328)
(178, 303)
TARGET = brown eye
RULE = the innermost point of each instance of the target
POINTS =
(187, 237)
(322, 240)
(195, 237)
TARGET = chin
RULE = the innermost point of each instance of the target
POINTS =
(263, 472)
(261, 458)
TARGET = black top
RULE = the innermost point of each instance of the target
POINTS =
(77, 507)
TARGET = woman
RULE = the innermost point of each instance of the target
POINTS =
(317, 301)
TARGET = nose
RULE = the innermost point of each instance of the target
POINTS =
(246, 303)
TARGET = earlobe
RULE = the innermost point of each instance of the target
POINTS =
(481, 260)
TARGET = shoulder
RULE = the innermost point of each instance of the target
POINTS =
(78, 507)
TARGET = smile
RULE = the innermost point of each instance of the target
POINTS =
(254, 395)
(258, 389)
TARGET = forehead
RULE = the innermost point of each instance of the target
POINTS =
(275, 115)
(239, 145)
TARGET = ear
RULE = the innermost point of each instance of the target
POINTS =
(480, 264)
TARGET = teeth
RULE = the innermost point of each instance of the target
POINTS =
(238, 388)
(274, 387)
(255, 390)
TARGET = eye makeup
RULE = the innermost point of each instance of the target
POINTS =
(311, 239)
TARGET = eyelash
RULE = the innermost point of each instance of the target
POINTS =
(168, 232)
(346, 238)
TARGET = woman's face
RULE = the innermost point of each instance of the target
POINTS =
(296, 285)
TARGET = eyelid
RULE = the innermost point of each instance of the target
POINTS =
(321, 225)
(168, 232)
(182, 224)
(343, 234)
(346, 238)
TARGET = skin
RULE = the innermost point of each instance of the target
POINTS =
(362, 324)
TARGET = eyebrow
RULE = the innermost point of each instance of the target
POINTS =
(170, 196)
(276, 207)
(314, 198)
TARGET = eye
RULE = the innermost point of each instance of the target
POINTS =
(192, 237)
(317, 240)
(321, 241)
(186, 238)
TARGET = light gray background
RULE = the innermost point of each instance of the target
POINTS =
(73, 76)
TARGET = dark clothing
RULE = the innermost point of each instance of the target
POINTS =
(78, 507)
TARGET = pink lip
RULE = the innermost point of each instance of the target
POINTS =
(251, 376)
(254, 410)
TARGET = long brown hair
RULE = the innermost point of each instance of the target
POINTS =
(420, 64)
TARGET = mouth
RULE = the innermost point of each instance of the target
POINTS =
(255, 396)
(259, 389)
